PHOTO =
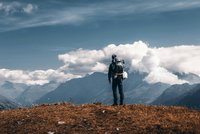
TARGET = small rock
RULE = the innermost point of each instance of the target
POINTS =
(117, 129)
(51, 132)
(19, 122)
(61, 122)
(103, 111)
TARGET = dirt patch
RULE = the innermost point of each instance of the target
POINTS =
(96, 118)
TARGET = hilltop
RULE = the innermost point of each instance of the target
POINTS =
(97, 118)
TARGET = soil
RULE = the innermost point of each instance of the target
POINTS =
(99, 119)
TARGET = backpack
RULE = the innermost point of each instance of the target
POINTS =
(119, 68)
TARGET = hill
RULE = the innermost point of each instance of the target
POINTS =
(97, 118)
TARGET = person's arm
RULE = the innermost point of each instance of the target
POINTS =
(110, 73)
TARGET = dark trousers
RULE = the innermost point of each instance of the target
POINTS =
(117, 82)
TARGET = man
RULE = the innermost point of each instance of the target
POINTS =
(115, 73)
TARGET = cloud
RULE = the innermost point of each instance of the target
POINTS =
(81, 13)
(161, 64)
(37, 77)
(10, 8)
(150, 63)
(181, 58)
(160, 74)
(29, 8)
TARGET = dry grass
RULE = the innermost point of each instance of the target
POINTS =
(93, 118)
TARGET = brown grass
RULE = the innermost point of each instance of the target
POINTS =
(93, 118)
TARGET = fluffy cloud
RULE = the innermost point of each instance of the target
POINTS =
(160, 64)
(17, 7)
(39, 77)
(29, 8)
(181, 58)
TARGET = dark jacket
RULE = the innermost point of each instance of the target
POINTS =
(111, 70)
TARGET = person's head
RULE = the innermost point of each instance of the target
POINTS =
(114, 56)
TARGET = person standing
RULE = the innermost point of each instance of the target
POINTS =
(115, 74)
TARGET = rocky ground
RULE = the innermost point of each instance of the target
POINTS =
(96, 118)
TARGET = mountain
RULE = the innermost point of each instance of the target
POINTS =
(34, 92)
(100, 119)
(80, 90)
(95, 88)
(145, 93)
(7, 85)
(192, 78)
(5, 103)
(171, 95)
(190, 99)
(12, 90)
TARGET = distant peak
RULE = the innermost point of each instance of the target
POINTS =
(8, 85)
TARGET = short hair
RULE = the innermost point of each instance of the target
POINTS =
(114, 56)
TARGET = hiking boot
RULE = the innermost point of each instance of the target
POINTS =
(114, 104)
(121, 104)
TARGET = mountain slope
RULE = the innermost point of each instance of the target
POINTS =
(192, 78)
(6, 103)
(34, 92)
(145, 93)
(11, 90)
(78, 90)
(95, 88)
(191, 99)
(171, 95)
(100, 119)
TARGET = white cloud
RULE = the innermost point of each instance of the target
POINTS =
(99, 67)
(10, 8)
(150, 63)
(159, 63)
(34, 77)
(29, 8)
(160, 74)
(181, 58)
(79, 13)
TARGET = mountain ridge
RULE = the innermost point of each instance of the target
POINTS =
(95, 88)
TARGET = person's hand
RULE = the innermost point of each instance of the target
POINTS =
(109, 80)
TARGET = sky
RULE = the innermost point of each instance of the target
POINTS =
(38, 39)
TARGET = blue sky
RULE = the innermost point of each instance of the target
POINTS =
(34, 33)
